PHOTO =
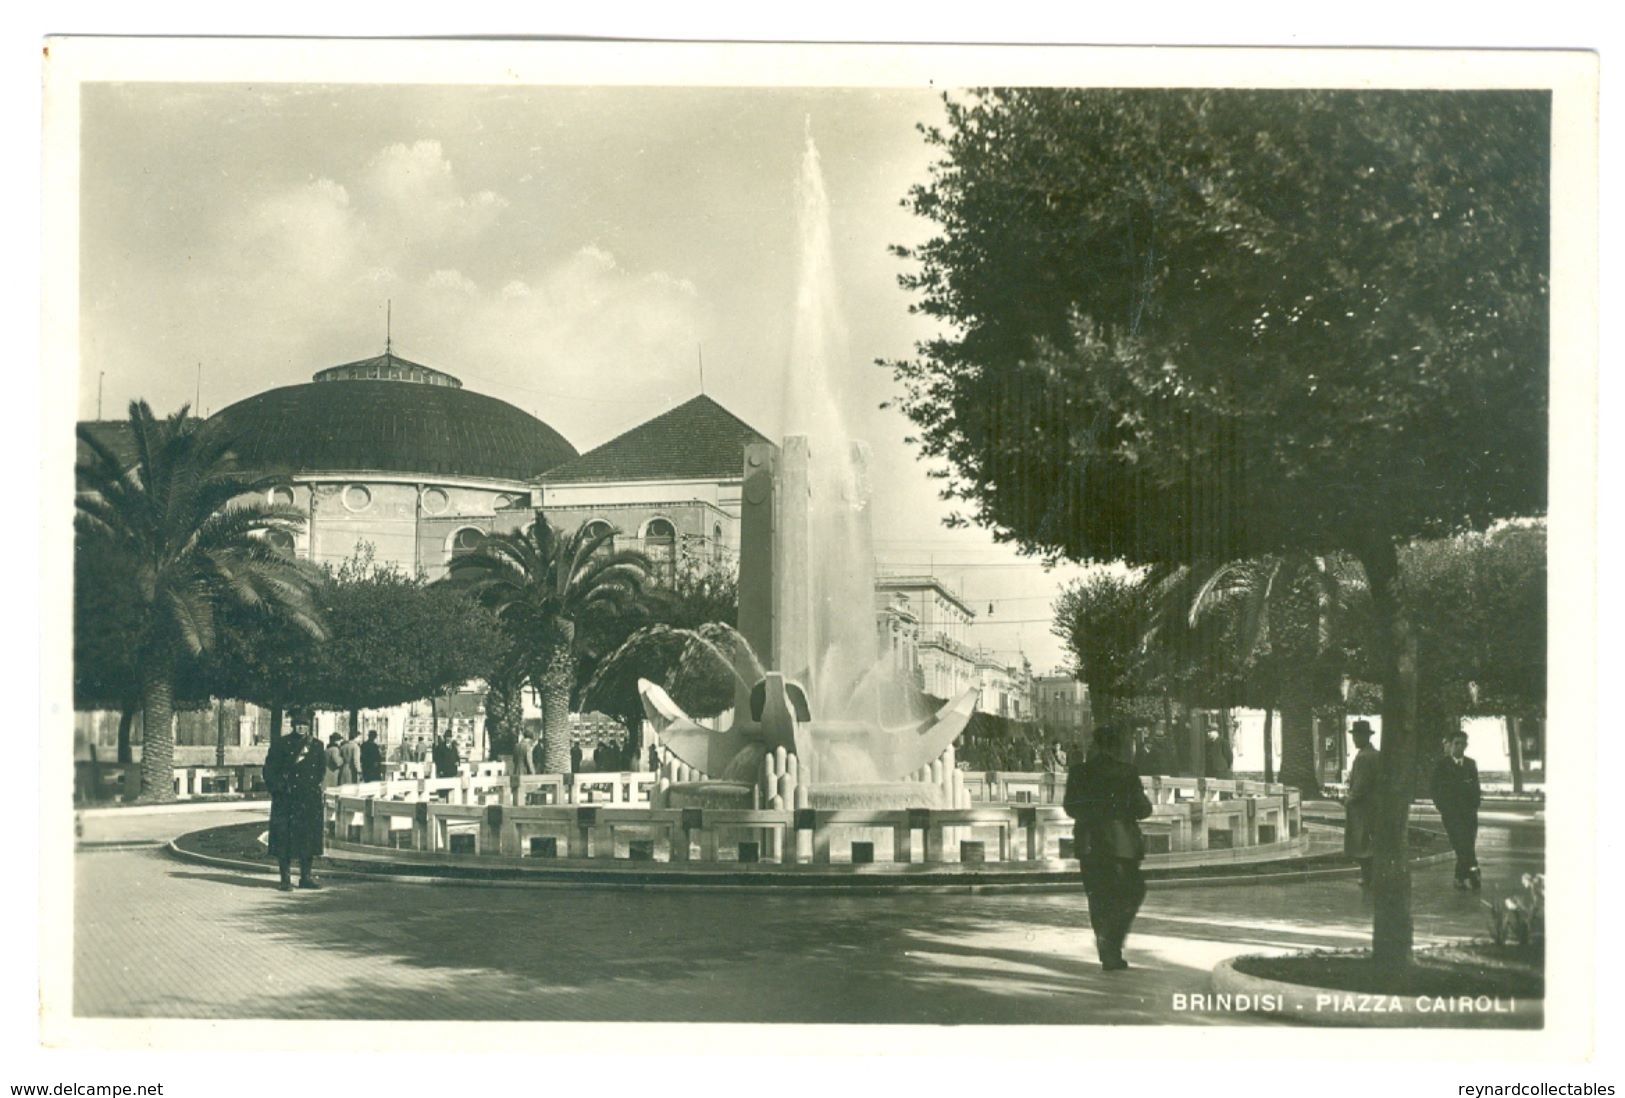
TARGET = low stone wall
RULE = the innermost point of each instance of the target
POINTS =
(610, 817)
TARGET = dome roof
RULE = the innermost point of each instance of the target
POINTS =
(351, 420)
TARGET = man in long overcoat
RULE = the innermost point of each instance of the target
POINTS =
(372, 759)
(350, 753)
(334, 756)
(294, 770)
(1105, 799)
(1360, 812)
(446, 757)
(1456, 794)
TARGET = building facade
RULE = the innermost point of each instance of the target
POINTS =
(1061, 707)
(670, 487)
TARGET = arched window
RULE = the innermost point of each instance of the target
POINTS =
(660, 543)
(466, 540)
(716, 542)
(598, 528)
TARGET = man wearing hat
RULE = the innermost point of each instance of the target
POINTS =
(1456, 795)
(294, 769)
(1105, 798)
(1360, 813)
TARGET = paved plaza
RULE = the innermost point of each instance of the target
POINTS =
(156, 937)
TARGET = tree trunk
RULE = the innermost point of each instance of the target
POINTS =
(157, 733)
(1515, 752)
(219, 732)
(355, 721)
(556, 677)
(1392, 931)
(126, 718)
(1269, 748)
(276, 723)
(504, 714)
(1298, 768)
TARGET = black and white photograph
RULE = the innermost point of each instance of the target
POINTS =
(946, 541)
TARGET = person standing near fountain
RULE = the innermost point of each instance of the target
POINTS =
(1106, 801)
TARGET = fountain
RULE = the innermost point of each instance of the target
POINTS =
(827, 726)
(827, 767)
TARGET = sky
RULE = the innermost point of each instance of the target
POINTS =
(581, 252)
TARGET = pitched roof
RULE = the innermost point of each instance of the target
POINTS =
(697, 440)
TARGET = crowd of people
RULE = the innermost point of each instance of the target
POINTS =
(1015, 753)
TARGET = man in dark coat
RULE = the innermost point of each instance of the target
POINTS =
(446, 757)
(1360, 812)
(372, 759)
(1456, 795)
(294, 768)
(1105, 799)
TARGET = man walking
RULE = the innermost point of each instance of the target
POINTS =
(1105, 798)
(1456, 795)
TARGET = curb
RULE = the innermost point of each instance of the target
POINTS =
(1305, 1004)
(167, 807)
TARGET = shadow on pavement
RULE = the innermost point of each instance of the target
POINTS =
(691, 956)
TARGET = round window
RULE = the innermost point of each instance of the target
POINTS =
(467, 540)
(281, 496)
(435, 501)
(357, 497)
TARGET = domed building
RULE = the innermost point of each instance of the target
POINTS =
(400, 456)
(396, 454)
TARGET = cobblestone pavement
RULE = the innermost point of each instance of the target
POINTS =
(155, 937)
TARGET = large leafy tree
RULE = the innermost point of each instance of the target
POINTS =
(548, 589)
(394, 638)
(180, 535)
(1282, 620)
(1478, 602)
(1187, 325)
(1146, 660)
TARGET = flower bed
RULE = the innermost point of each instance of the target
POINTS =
(1473, 969)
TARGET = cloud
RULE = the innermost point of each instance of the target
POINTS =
(413, 196)
(307, 268)
(455, 281)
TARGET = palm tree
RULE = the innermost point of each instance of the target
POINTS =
(183, 543)
(543, 585)
(1282, 613)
